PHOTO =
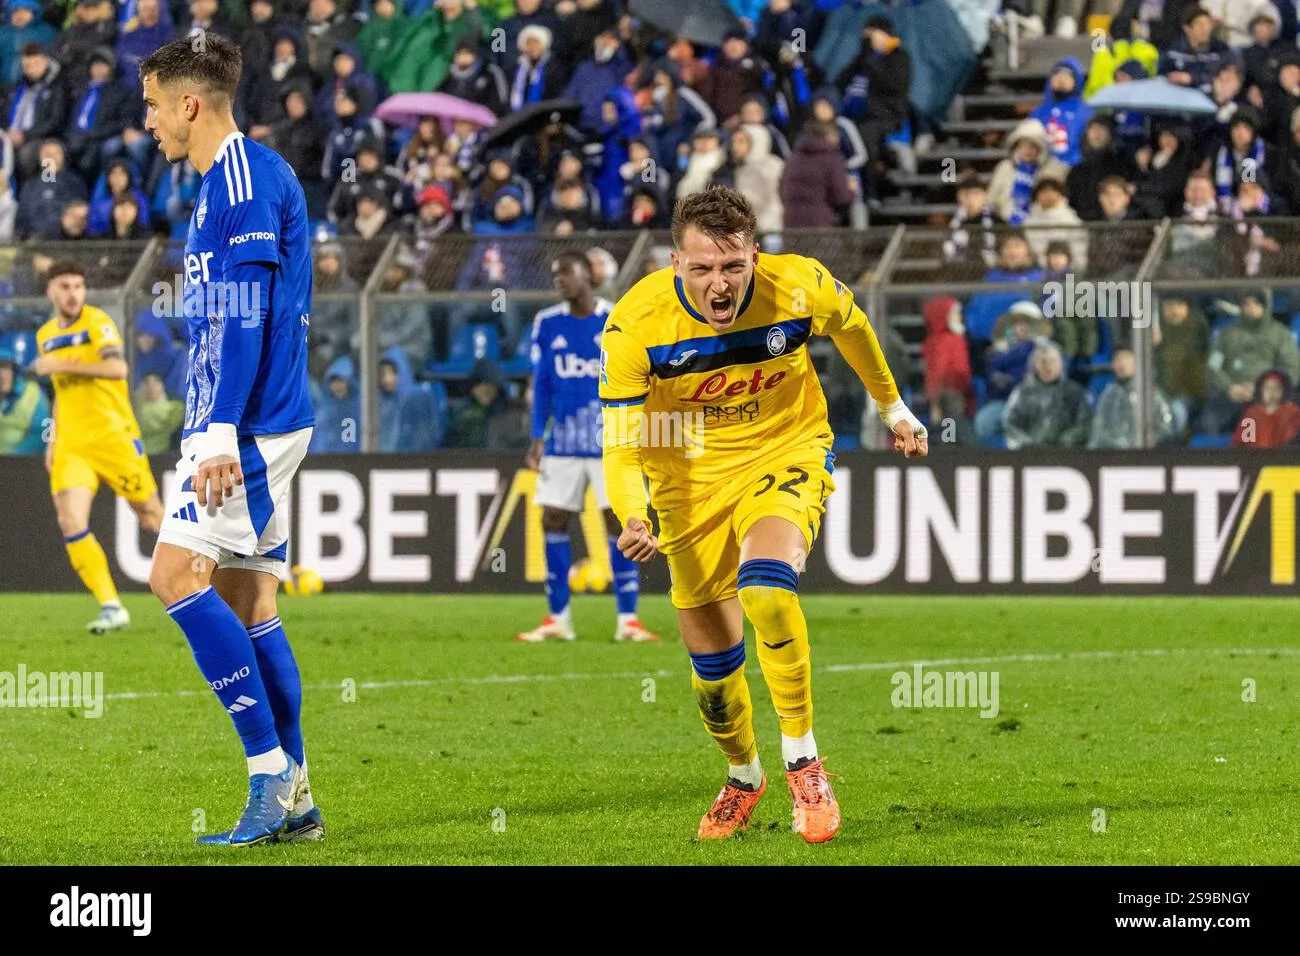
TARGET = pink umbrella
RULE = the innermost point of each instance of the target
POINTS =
(407, 109)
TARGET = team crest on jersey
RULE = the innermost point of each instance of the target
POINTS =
(776, 340)
(202, 213)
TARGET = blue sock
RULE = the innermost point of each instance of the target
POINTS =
(225, 655)
(283, 685)
(627, 578)
(559, 556)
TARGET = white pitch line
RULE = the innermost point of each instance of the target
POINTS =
(829, 669)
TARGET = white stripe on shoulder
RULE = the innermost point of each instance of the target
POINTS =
(604, 306)
(230, 186)
(551, 310)
(243, 162)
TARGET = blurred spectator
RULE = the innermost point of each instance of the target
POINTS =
(141, 35)
(325, 28)
(1047, 409)
(346, 75)
(350, 128)
(752, 169)
(570, 206)
(1192, 240)
(1117, 253)
(1007, 364)
(673, 115)
(736, 73)
(23, 25)
(1163, 171)
(825, 108)
(1263, 56)
(433, 217)
(372, 217)
(333, 310)
(1012, 186)
(100, 111)
(372, 176)
(94, 24)
(1182, 340)
(475, 78)
(298, 138)
(1113, 424)
(206, 16)
(1244, 351)
(645, 209)
(1063, 112)
(43, 198)
(580, 24)
(536, 76)
(754, 112)
(1051, 220)
(507, 217)
(160, 415)
(1281, 99)
(1024, 320)
(815, 186)
(1131, 126)
(876, 86)
(157, 353)
(119, 179)
(74, 222)
(1246, 249)
(1273, 419)
(1228, 91)
(23, 409)
(1161, 23)
(126, 222)
(265, 91)
(527, 13)
(37, 109)
(596, 77)
(338, 413)
(489, 420)
(1235, 18)
(1242, 157)
(972, 239)
(402, 325)
(1194, 58)
(425, 144)
(257, 36)
(1100, 160)
(620, 123)
(604, 271)
(947, 362)
(1015, 264)
(407, 418)
(707, 157)
(383, 38)
(640, 172)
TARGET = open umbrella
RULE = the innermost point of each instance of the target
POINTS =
(1156, 95)
(704, 22)
(529, 120)
(407, 109)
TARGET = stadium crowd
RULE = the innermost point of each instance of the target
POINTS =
(796, 105)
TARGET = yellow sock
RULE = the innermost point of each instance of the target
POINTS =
(722, 694)
(91, 564)
(782, 639)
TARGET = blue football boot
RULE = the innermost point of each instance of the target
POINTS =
(306, 826)
(271, 797)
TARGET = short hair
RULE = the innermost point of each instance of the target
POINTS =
(1192, 12)
(1116, 182)
(214, 67)
(34, 49)
(719, 212)
(575, 259)
(969, 178)
(64, 267)
(1045, 184)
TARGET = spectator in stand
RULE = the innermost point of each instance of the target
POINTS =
(527, 13)
(1007, 362)
(1117, 253)
(508, 216)
(1245, 248)
(37, 110)
(94, 24)
(350, 128)
(620, 123)
(158, 353)
(160, 415)
(1182, 340)
(645, 209)
(42, 198)
(1113, 423)
(1011, 189)
(382, 39)
(491, 419)
(1047, 410)
(815, 186)
(338, 413)
(1264, 55)
(325, 28)
(24, 409)
(1192, 241)
(1100, 159)
(333, 308)
(100, 111)
(408, 420)
(1016, 264)
(972, 240)
(754, 112)
(1161, 23)
(206, 16)
(415, 161)
(1286, 179)
(434, 217)
(752, 169)
(119, 179)
(1025, 320)
(737, 73)
(1229, 94)
(596, 77)
(74, 223)
(298, 139)
(370, 174)
(1163, 173)
(1281, 99)
(141, 35)
(263, 92)
(537, 76)
(1245, 350)
(825, 108)
(1131, 125)
(947, 361)
(347, 75)
(1233, 19)
(475, 78)
(1195, 57)
(580, 24)
(257, 36)
(571, 206)
(707, 157)
(640, 173)
(1051, 219)
(23, 26)
(673, 115)
(500, 173)
(1273, 419)
(372, 217)
(876, 86)
(1063, 113)
(1243, 156)
(402, 325)
(126, 222)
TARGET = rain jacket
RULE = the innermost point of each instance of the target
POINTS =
(334, 414)
(1040, 415)
(408, 420)
(1113, 424)
(1247, 349)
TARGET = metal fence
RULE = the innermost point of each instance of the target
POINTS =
(373, 296)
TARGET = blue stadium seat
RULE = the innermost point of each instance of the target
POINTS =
(846, 442)
(1295, 327)
(473, 341)
(903, 137)
(441, 409)
(520, 364)
(1211, 441)
(1105, 343)
(1097, 384)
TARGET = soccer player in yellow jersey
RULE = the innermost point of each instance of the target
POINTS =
(96, 437)
(708, 391)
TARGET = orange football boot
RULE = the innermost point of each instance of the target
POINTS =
(816, 811)
(731, 811)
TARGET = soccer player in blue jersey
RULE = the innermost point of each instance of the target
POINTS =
(248, 419)
(565, 449)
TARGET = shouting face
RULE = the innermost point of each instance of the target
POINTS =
(715, 274)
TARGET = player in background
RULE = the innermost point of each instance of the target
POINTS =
(248, 420)
(565, 450)
(96, 437)
(719, 340)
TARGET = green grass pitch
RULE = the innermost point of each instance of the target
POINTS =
(461, 747)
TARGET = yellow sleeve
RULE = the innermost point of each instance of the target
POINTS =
(103, 332)
(624, 384)
(837, 315)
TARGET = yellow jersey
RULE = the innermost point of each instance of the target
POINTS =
(87, 411)
(691, 408)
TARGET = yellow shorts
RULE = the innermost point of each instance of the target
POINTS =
(122, 465)
(702, 543)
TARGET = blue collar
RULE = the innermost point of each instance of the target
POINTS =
(685, 300)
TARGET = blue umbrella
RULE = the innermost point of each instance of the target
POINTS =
(1156, 95)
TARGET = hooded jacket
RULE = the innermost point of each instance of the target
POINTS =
(1047, 415)
(407, 418)
(166, 359)
(101, 200)
(1114, 422)
(23, 412)
(592, 82)
(614, 150)
(946, 356)
(758, 177)
(333, 414)
(1261, 428)
(1181, 355)
(135, 42)
(814, 184)
(1000, 198)
(1248, 348)
(1064, 117)
(13, 39)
